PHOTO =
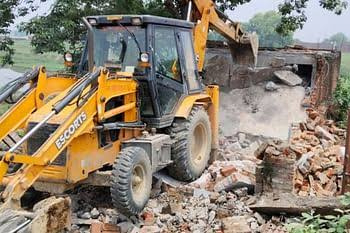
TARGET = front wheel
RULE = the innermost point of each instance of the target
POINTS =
(131, 181)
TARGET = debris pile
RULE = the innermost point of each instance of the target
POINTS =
(240, 147)
(310, 164)
(228, 175)
(182, 209)
(194, 210)
(216, 202)
(320, 166)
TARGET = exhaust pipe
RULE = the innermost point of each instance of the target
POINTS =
(189, 11)
(90, 44)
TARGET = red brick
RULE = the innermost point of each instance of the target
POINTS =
(148, 218)
(227, 171)
(99, 227)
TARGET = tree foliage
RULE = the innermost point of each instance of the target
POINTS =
(338, 39)
(9, 11)
(315, 223)
(63, 30)
(62, 27)
(341, 100)
(264, 24)
(293, 13)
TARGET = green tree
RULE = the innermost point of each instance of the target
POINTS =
(264, 24)
(63, 27)
(338, 39)
(63, 30)
(9, 11)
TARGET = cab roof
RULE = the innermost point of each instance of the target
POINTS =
(145, 19)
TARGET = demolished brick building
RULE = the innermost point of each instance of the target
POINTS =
(319, 69)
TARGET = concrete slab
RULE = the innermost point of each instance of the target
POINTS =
(288, 77)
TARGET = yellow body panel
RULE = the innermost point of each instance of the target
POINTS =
(19, 113)
(187, 104)
(211, 101)
(84, 153)
(85, 158)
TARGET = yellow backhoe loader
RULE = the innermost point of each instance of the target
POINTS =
(136, 105)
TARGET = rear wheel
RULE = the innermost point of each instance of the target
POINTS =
(192, 144)
(131, 181)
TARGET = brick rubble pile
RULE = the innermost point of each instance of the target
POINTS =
(315, 146)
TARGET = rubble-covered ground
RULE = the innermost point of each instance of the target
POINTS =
(219, 200)
(256, 111)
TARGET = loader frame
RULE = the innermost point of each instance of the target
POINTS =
(77, 130)
(78, 111)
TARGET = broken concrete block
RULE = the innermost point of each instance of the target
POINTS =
(223, 213)
(85, 215)
(241, 137)
(323, 133)
(52, 215)
(172, 208)
(236, 180)
(289, 78)
(236, 224)
(125, 227)
(235, 146)
(304, 164)
(271, 150)
(203, 182)
(147, 229)
(271, 86)
(201, 193)
(94, 213)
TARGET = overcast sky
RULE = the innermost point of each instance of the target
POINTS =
(321, 23)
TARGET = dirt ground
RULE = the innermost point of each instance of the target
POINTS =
(259, 112)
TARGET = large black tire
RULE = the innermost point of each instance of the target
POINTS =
(191, 146)
(131, 181)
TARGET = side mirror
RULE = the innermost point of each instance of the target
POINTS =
(68, 59)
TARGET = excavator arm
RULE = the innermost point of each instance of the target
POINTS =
(25, 103)
(243, 46)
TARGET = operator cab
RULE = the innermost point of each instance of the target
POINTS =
(157, 52)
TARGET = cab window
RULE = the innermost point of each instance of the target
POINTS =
(166, 55)
(190, 63)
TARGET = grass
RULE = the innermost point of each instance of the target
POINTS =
(345, 64)
(3, 108)
(25, 58)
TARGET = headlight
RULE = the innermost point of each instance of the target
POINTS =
(144, 57)
(137, 21)
(68, 57)
(92, 21)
